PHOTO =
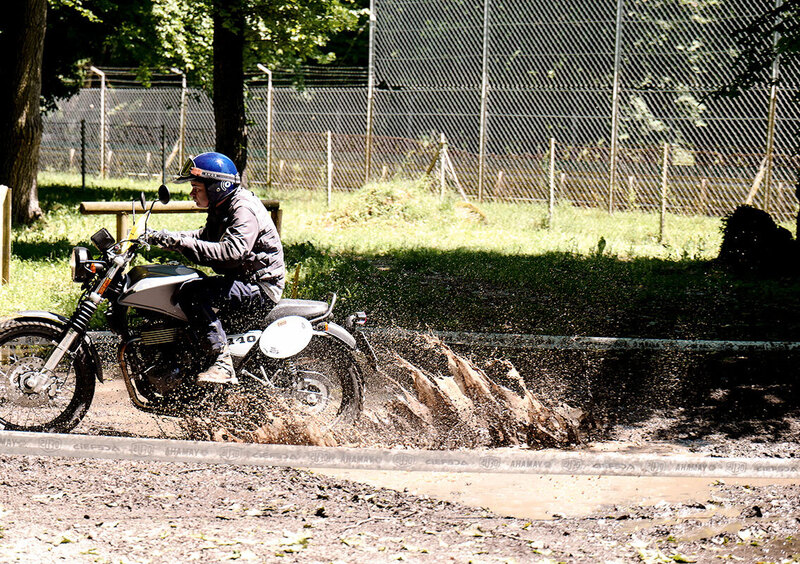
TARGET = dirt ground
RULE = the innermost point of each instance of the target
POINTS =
(72, 510)
(66, 510)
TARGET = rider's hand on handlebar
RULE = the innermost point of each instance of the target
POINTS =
(163, 238)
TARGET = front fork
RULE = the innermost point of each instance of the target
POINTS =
(76, 328)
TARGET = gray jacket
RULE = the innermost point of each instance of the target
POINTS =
(239, 240)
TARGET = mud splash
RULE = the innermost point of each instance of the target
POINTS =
(424, 395)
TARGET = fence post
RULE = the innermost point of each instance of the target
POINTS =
(102, 76)
(612, 180)
(268, 72)
(5, 234)
(164, 155)
(330, 167)
(703, 196)
(551, 198)
(632, 197)
(370, 92)
(269, 130)
(442, 166)
(83, 153)
(773, 106)
(663, 212)
(182, 149)
(484, 100)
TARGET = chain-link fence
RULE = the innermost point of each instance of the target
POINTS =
(619, 90)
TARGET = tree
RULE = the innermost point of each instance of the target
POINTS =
(22, 43)
(772, 36)
(44, 44)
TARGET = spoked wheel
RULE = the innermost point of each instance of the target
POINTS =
(31, 400)
(323, 382)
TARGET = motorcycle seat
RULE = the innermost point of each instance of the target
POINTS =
(304, 308)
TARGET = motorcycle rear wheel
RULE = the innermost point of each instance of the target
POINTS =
(60, 405)
(326, 383)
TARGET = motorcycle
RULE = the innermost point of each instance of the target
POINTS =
(49, 363)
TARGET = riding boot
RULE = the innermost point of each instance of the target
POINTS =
(221, 372)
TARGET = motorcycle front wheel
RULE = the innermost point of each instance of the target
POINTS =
(28, 402)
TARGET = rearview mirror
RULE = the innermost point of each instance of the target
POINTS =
(163, 194)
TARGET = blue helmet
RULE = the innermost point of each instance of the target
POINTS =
(215, 170)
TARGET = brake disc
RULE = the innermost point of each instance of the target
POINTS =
(20, 390)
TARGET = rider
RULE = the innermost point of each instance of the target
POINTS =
(239, 242)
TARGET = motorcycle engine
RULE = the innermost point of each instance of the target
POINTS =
(160, 357)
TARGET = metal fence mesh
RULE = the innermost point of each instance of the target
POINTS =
(611, 82)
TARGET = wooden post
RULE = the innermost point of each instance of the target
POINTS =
(442, 166)
(498, 185)
(551, 198)
(122, 226)
(5, 234)
(631, 191)
(664, 174)
(703, 204)
(562, 183)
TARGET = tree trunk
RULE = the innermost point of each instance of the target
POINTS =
(229, 112)
(22, 44)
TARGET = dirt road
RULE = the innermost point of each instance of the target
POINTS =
(55, 510)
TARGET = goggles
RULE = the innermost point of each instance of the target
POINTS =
(189, 171)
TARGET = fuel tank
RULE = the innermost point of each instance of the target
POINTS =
(153, 287)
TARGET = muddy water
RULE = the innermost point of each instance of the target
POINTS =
(527, 496)
(530, 496)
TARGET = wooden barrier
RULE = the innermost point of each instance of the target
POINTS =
(123, 209)
(5, 234)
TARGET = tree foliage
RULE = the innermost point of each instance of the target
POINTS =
(771, 37)
(277, 33)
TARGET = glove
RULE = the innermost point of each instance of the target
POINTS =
(165, 239)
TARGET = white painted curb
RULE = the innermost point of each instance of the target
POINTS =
(518, 461)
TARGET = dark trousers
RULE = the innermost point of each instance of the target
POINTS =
(206, 300)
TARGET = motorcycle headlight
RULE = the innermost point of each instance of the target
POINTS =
(80, 263)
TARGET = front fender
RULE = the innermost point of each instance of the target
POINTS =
(88, 347)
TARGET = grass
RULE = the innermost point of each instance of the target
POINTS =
(398, 252)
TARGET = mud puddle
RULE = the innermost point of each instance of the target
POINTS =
(539, 497)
